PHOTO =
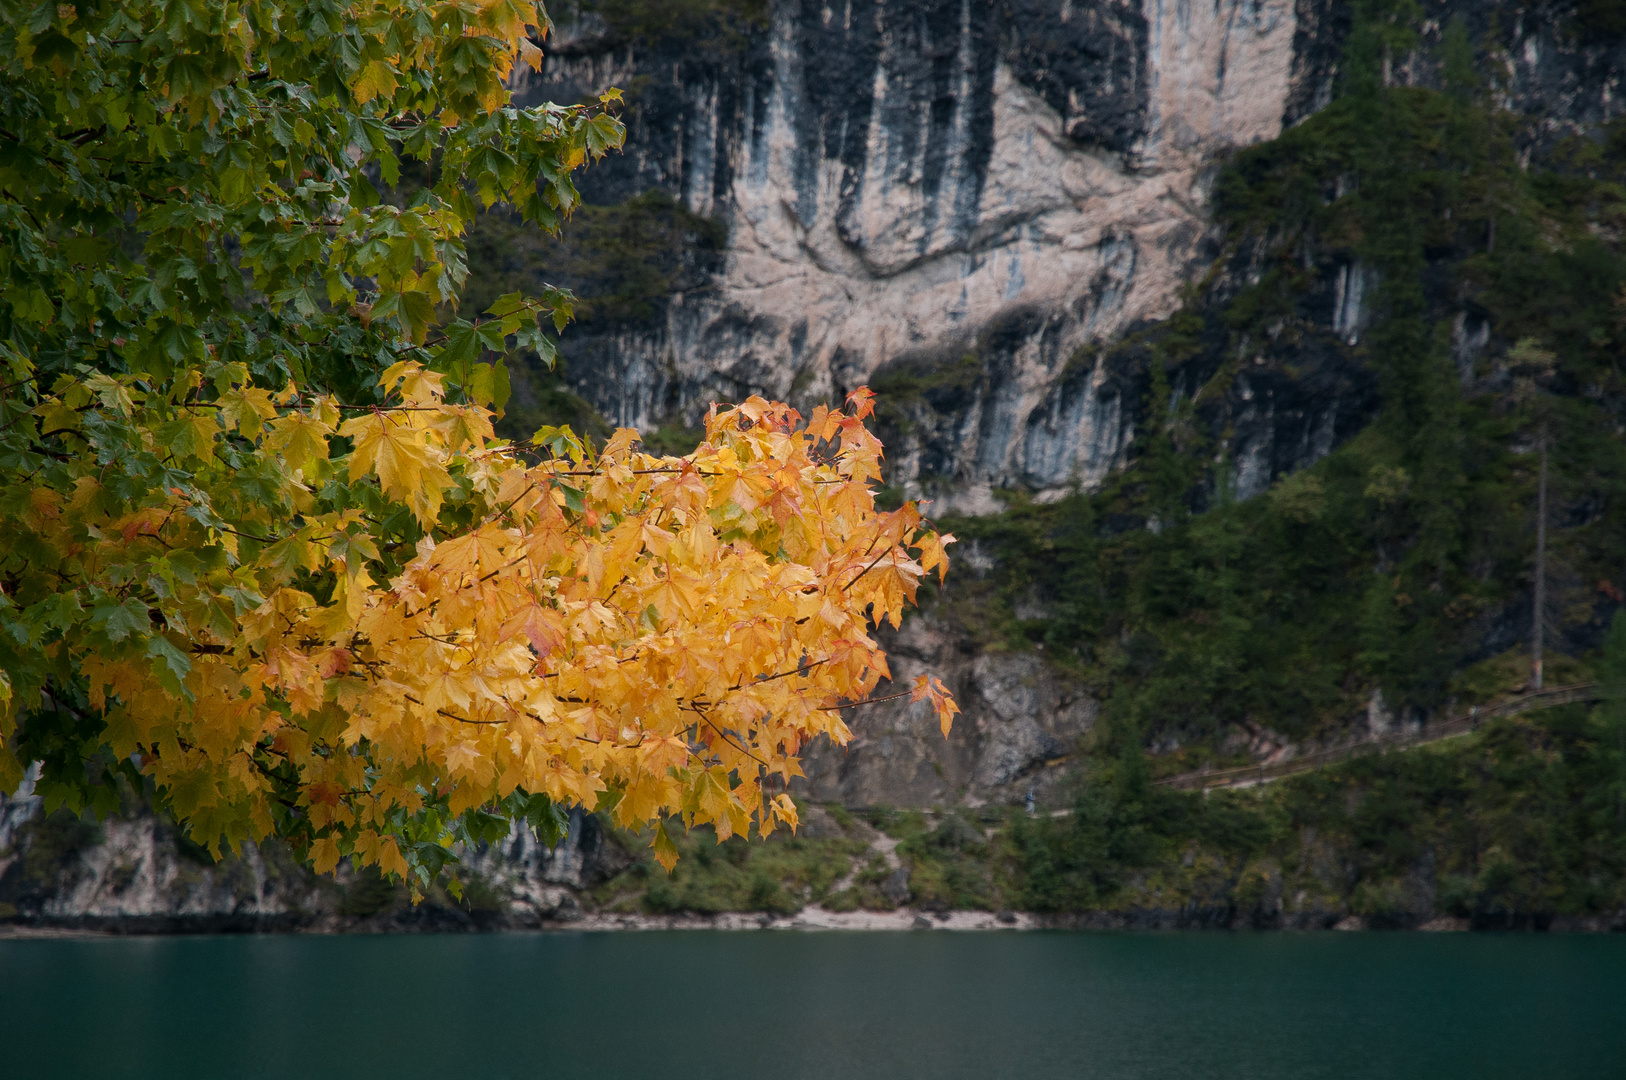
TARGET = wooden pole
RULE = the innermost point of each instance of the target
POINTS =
(1538, 614)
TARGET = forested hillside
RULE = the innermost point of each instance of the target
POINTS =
(1489, 277)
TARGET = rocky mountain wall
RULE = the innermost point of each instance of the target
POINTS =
(1018, 717)
(968, 195)
(902, 179)
(135, 872)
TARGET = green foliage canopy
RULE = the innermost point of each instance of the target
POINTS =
(205, 263)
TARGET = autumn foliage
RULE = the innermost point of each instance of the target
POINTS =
(655, 635)
(283, 594)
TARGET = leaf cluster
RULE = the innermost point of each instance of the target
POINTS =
(604, 628)
(265, 554)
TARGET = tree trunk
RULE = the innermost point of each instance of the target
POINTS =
(1620, 790)
(1538, 614)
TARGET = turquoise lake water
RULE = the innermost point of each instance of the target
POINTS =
(811, 1006)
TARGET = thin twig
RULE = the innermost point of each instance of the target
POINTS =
(866, 701)
(867, 569)
(698, 711)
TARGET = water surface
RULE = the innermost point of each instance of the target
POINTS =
(817, 1006)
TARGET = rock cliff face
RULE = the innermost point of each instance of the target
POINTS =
(1018, 717)
(136, 873)
(906, 182)
(964, 195)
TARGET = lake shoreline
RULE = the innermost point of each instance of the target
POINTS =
(811, 919)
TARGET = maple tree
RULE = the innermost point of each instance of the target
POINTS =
(264, 552)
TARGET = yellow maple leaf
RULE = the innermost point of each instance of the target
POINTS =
(390, 860)
(408, 469)
(932, 554)
(419, 386)
(375, 79)
(483, 551)
(325, 854)
(784, 809)
(246, 408)
(300, 438)
(463, 425)
(666, 852)
(930, 687)
(56, 416)
(530, 54)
